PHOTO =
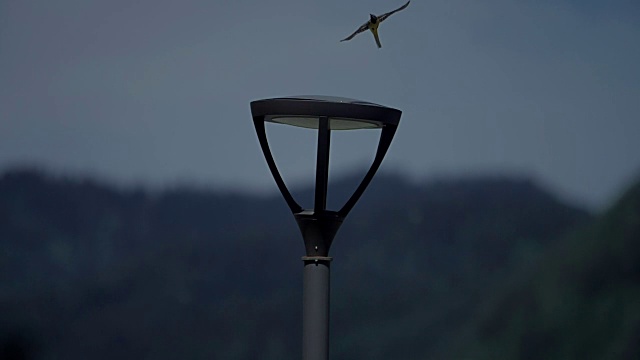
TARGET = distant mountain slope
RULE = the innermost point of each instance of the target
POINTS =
(581, 300)
(90, 271)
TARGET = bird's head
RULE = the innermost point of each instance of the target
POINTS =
(374, 19)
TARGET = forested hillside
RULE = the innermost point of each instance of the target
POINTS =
(581, 300)
(92, 271)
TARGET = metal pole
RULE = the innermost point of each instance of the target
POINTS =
(315, 308)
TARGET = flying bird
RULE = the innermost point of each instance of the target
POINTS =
(373, 23)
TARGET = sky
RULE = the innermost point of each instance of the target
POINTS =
(157, 92)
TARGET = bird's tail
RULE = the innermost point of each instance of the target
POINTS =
(375, 35)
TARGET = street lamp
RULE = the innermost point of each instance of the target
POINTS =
(319, 225)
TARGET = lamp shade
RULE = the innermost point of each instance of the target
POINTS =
(343, 113)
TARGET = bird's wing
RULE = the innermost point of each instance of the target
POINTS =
(360, 29)
(383, 17)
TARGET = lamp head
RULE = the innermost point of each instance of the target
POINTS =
(324, 113)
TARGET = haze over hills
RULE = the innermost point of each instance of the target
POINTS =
(91, 271)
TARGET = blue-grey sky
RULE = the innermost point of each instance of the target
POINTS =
(156, 92)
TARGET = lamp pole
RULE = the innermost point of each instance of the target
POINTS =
(320, 225)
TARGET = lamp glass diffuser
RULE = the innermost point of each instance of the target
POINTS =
(334, 123)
